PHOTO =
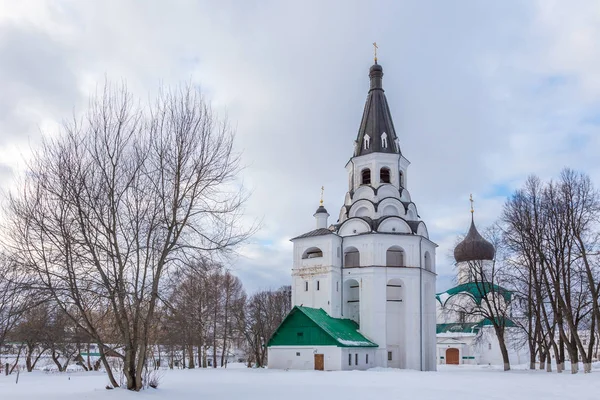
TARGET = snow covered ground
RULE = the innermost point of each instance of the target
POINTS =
(450, 382)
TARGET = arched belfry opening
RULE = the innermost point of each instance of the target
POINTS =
(384, 175)
(313, 252)
(352, 300)
(366, 176)
(351, 257)
(395, 257)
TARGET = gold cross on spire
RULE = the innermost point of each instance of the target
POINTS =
(472, 201)
(375, 51)
(322, 189)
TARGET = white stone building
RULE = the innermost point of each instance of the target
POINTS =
(464, 336)
(376, 264)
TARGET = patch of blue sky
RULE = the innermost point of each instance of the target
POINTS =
(265, 242)
(500, 190)
(593, 118)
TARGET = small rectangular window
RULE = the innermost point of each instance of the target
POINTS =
(318, 285)
(367, 358)
(356, 359)
(489, 346)
(389, 356)
(298, 354)
(306, 286)
(349, 359)
(337, 286)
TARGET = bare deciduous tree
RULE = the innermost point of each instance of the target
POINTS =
(551, 230)
(13, 293)
(111, 204)
(263, 313)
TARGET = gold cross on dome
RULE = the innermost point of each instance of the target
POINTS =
(322, 189)
(472, 201)
(375, 50)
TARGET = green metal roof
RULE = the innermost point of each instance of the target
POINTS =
(468, 327)
(458, 327)
(477, 290)
(307, 326)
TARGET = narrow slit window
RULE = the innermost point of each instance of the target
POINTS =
(318, 285)
(349, 359)
(367, 358)
(356, 359)
(389, 356)
(306, 286)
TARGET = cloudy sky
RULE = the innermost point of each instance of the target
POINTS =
(482, 94)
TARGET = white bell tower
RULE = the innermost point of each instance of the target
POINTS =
(376, 264)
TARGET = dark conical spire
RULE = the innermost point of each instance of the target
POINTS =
(376, 120)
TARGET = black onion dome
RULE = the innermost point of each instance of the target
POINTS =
(321, 210)
(474, 247)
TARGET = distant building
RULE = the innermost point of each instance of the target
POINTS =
(463, 337)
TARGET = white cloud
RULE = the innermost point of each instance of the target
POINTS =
(482, 94)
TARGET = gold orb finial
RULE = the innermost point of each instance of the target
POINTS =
(375, 51)
(322, 190)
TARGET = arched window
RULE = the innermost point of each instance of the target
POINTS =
(351, 257)
(312, 252)
(384, 175)
(394, 257)
(401, 179)
(366, 176)
(427, 258)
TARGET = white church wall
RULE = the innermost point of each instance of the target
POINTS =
(482, 348)
(395, 316)
(399, 334)
(303, 357)
(357, 358)
(316, 281)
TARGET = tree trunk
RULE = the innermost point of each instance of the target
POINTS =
(28, 361)
(89, 362)
(107, 367)
(17, 360)
(503, 349)
(191, 356)
(55, 357)
(531, 358)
